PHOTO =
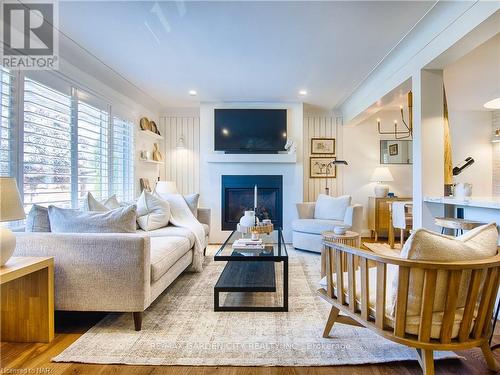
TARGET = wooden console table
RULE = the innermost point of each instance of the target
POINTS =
(27, 299)
(379, 215)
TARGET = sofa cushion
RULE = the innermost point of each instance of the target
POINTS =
(37, 219)
(314, 226)
(152, 211)
(331, 208)
(121, 220)
(171, 231)
(192, 202)
(165, 252)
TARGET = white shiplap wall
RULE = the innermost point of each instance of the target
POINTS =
(496, 155)
(321, 126)
(182, 165)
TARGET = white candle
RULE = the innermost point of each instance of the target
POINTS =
(255, 197)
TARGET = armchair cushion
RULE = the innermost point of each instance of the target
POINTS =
(479, 243)
(331, 208)
(314, 226)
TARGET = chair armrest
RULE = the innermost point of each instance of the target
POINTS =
(305, 210)
(204, 216)
(94, 271)
(354, 217)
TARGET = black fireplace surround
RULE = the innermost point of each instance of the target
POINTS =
(238, 196)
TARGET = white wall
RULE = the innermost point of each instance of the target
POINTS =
(210, 173)
(361, 145)
(471, 136)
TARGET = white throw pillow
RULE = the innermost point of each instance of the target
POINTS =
(112, 203)
(152, 211)
(121, 220)
(479, 243)
(192, 202)
(331, 208)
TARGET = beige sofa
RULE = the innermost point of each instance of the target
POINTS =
(306, 230)
(123, 272)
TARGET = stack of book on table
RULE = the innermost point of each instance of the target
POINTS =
(248, 244)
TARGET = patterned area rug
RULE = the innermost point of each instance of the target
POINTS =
(181, 328)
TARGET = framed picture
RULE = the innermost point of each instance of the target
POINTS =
(323, 146)
(322, 167)
(393, 149)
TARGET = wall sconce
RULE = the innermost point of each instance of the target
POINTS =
(496, 136)
(180, 143)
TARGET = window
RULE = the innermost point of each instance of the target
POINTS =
(46, 146)
(6, 129)
(93, 127)
(123, 159)
(67, 144)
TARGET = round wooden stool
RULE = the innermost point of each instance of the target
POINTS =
(349, 238)
(456, 224)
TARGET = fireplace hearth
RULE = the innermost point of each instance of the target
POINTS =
(238, 196)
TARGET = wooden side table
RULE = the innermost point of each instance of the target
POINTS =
(349, 238)
(27, 299)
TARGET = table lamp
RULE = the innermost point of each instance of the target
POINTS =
(166, 187)
(11, 209)
(380, 175)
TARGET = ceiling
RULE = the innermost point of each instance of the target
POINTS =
(241, 51)
(475, 78)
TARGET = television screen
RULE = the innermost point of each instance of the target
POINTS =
(250, 130)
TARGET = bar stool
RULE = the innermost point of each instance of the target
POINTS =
(456, 224)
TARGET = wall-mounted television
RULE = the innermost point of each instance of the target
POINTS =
(250, 130)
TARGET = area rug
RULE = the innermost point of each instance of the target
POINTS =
(181, 328)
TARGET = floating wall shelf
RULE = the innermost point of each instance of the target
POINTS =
(150, 134)
(151, 161)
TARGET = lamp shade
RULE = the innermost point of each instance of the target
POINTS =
(166, 187)
(11, 207)
(382, 174)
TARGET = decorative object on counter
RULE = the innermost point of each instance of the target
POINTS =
(462, 190)
(408, 131)
(154, 128)
(166, 187)
(380, 175)
(323, 146)
(144, 184)
(157, 156)
(145, 124)
(322, 167)
(11, 209)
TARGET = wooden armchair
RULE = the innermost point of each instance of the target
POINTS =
(475, 283)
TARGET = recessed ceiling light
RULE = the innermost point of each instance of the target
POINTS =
(303, 92)
(193, 92)
(493, 104)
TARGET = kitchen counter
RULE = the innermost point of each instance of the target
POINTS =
(480, 202)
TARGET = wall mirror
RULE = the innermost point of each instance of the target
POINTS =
(396, 151)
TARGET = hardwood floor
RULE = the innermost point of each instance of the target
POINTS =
(21, 358)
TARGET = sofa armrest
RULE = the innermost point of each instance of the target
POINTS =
(94, 271)
(204, 216)
(354, 217)
(305, 210)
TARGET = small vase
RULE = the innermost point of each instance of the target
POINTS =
(248, 220)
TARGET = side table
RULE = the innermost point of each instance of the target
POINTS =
(27, 299)
(349, 238)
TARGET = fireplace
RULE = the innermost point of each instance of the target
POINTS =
(238, 196)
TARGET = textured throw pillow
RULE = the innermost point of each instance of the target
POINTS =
(120, 220)
(92, 204)
(112, 203)
(192, 202)
(479, 243)
(331, 208)
(37, 219)
(152, 211)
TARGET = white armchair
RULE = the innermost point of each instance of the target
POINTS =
(307, 229)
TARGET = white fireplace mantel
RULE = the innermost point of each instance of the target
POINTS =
(250, 158)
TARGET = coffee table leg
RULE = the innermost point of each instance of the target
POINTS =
(216, 300)
(285, 285)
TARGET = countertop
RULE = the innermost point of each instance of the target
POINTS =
(483, 202)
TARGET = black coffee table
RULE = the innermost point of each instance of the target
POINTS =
(252, 270)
